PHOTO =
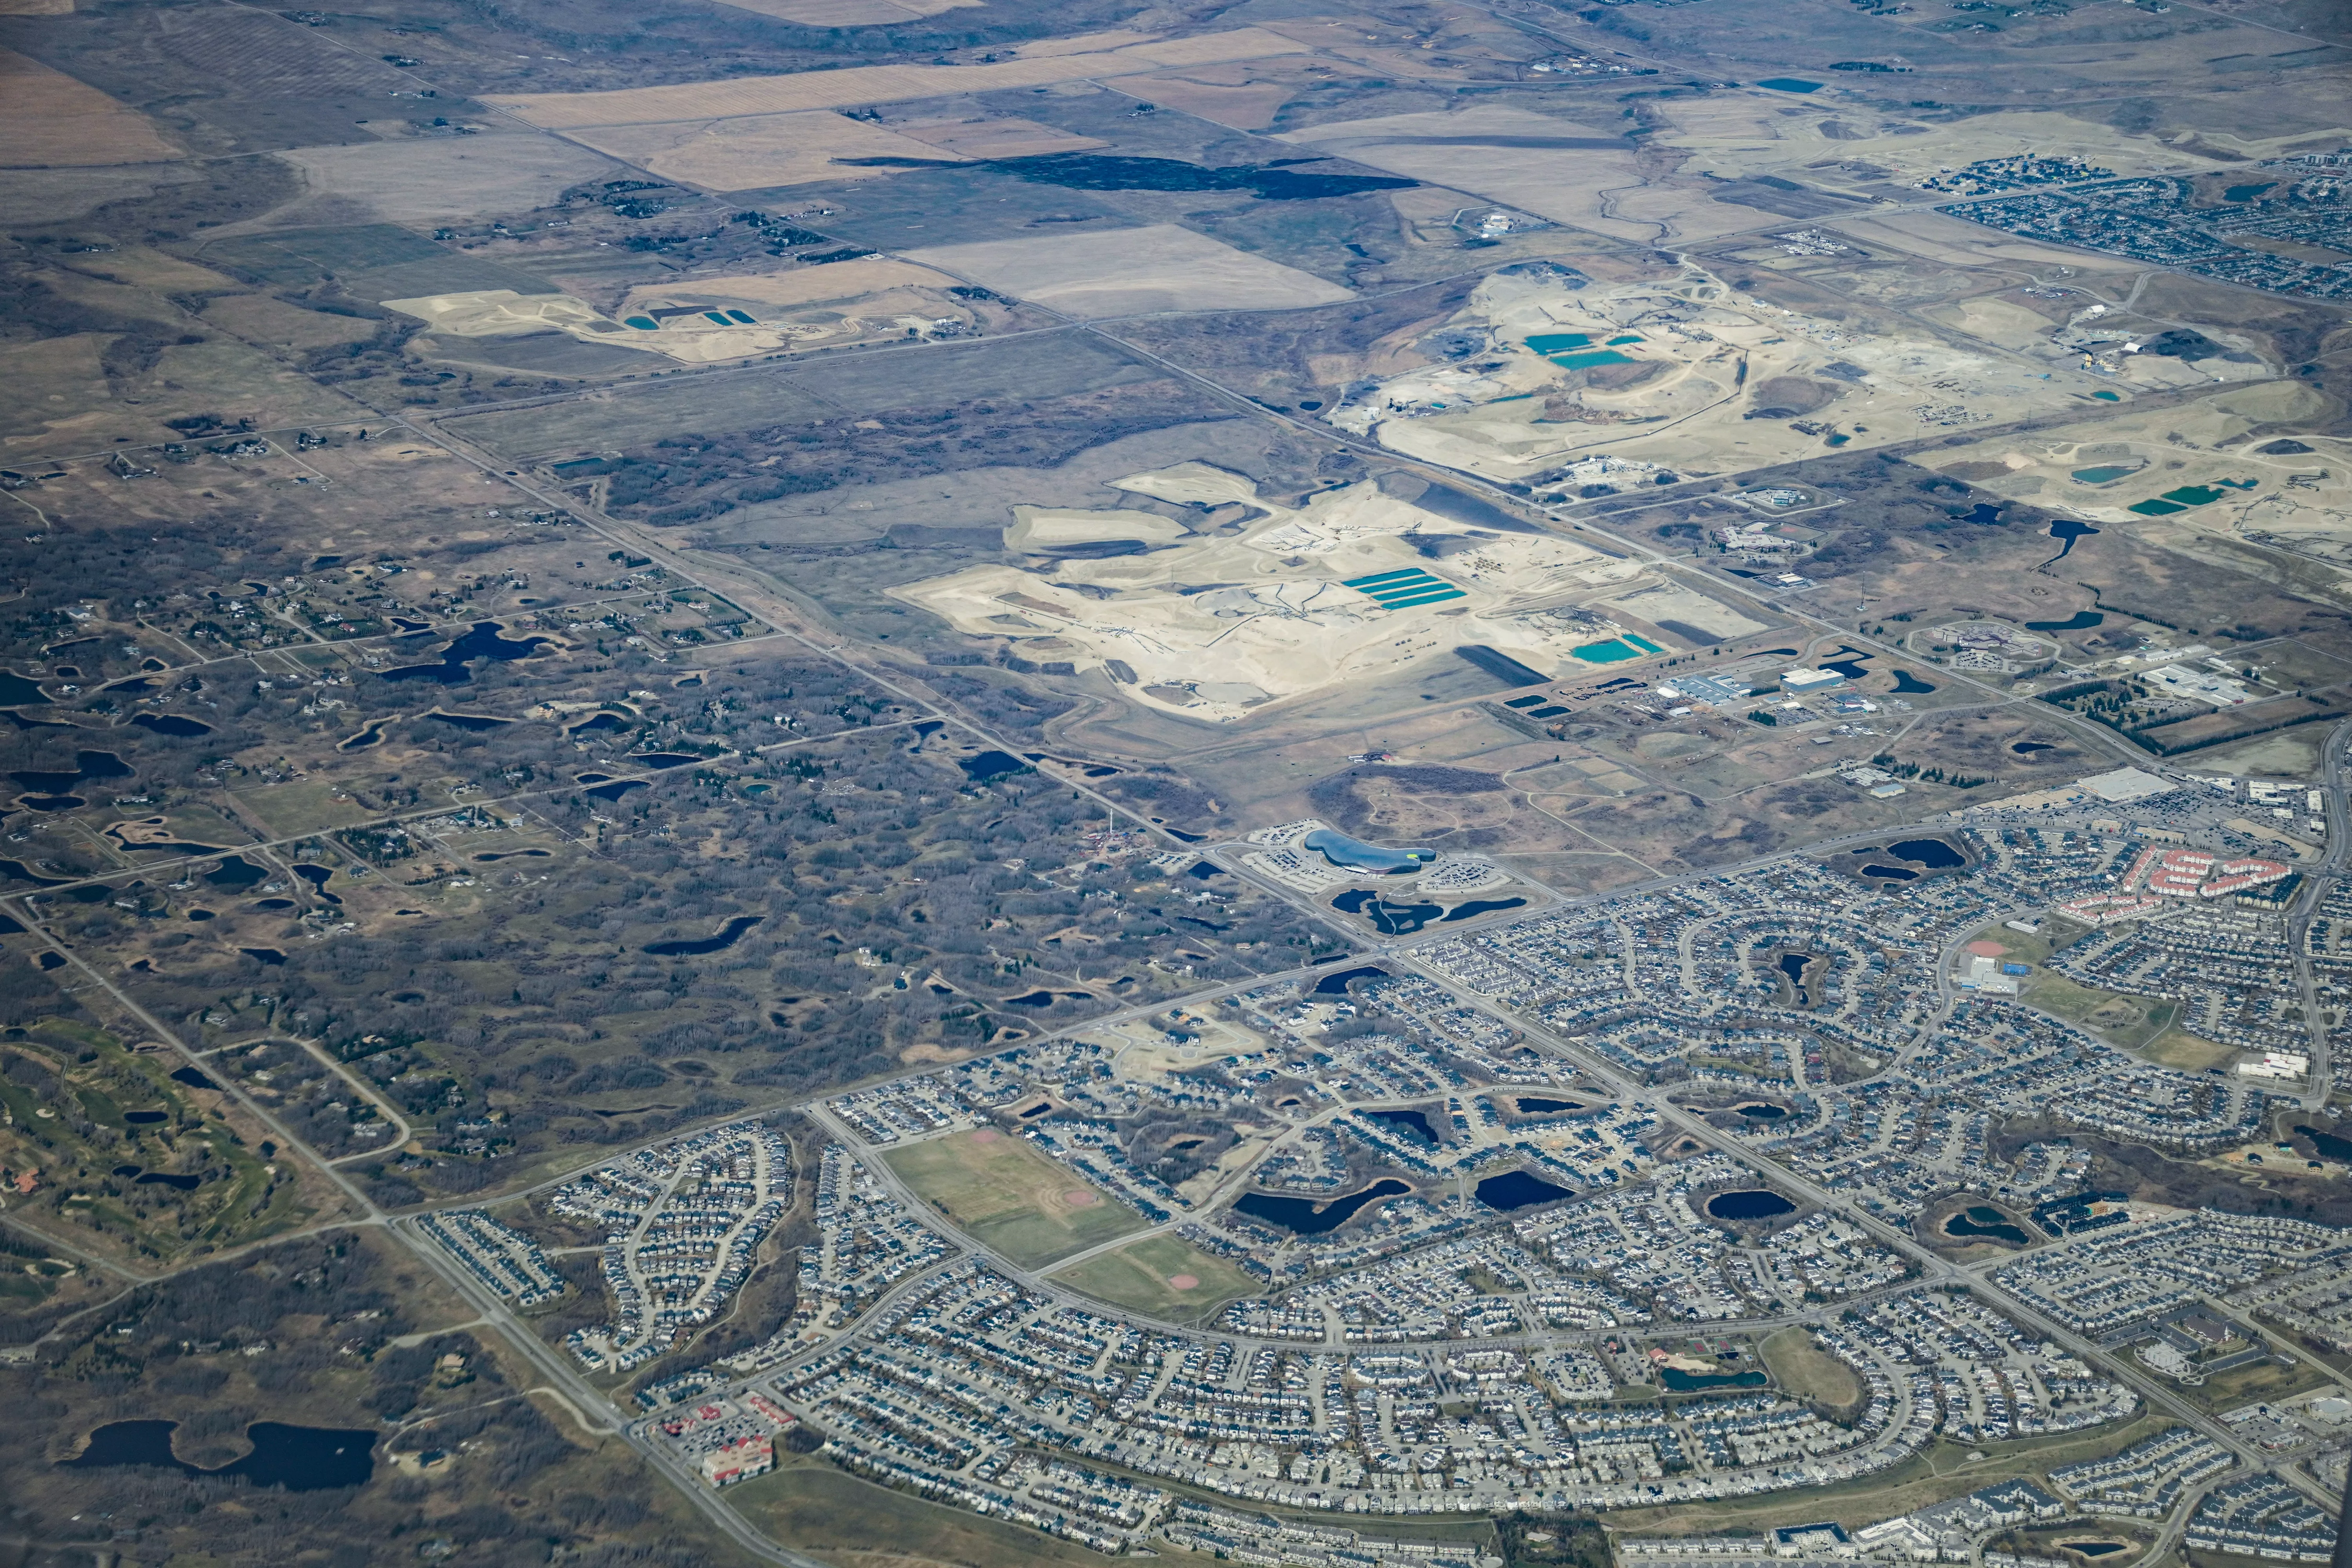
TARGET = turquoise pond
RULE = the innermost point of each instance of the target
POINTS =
(2108, 396)
(1615, 651)
(1552, 342)
(1589, 358)
(1628, 338)
(2102, 476)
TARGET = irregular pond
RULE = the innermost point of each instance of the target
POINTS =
(731, 933)
(172, 724)
(1336, 982)
(482, 642)
(1302, 1216)
(1519, 1190)
(1536, 1105)
(1982, 1219)
(1480, 907)
(989, 766)
(300, 1459)
(1749, 1202)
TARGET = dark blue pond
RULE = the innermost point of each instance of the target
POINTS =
(1929, 852)
(2080, 621)
(88, 765)
(616, 789)
(2069, 531)
(192, 1079)
(1301, 1216)
(172, 724)
(1536, 1105)
(1415, 1122)
(1087, 171)
(1910, 685)
(1336, 982)
(300, 1459)
(2328, 1143)
(236, 874)
(1753, 1203)
(1896, 873)
(659, 760)
(482, 642)
(166, 1179)
(1388, 919)
(142, 1117)
(17, 691)
(318, 877)
(1519, 1190)
(1481, 907)
(1763, 1112)
(1680, 1381)
(726, 938)
(990, 765)
(1984, 1220)
(476, 722)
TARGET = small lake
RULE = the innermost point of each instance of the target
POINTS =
(17, 691)
(1759, 1111)
(1091, 172)
(1519, 1190)
(728, 937)
(476, 722)
(300, 1459)
(1910, 685)
(88, 765)
(236, 874)
(1301, 1216)
(1415, 1122)
(1553, 342)
(1388, 919)
(2328, 1143)
(2094, 1548)
(1358, 856)
(482, 642)
(616, 789)
(1752, 1202)
(1929, 852)
(1478, 906)
(1536, 1105)
(1336, 982)
(2069, 531)
(2080, 621)
(989, 766)
(1615, 651)
(1983, 1220)
(192, 1079)
(172, 724)
(2105, 475)
(1678, 1380)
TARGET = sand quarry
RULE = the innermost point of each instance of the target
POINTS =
(1683, 372)
(1216, 621)
(710, 320)
(2202, 460)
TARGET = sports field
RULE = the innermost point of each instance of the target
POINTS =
(1010, 1198)
(1163, 1277)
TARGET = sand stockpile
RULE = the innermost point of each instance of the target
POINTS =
(1132, 271)
(502, 313)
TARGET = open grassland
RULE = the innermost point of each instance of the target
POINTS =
(1009, 1198)
(1147, 1276)
(1805, 1370)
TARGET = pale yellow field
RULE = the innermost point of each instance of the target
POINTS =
(759, 151)
(48, 120)
(807, 90)
(1007, 138)
(1132, 271)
